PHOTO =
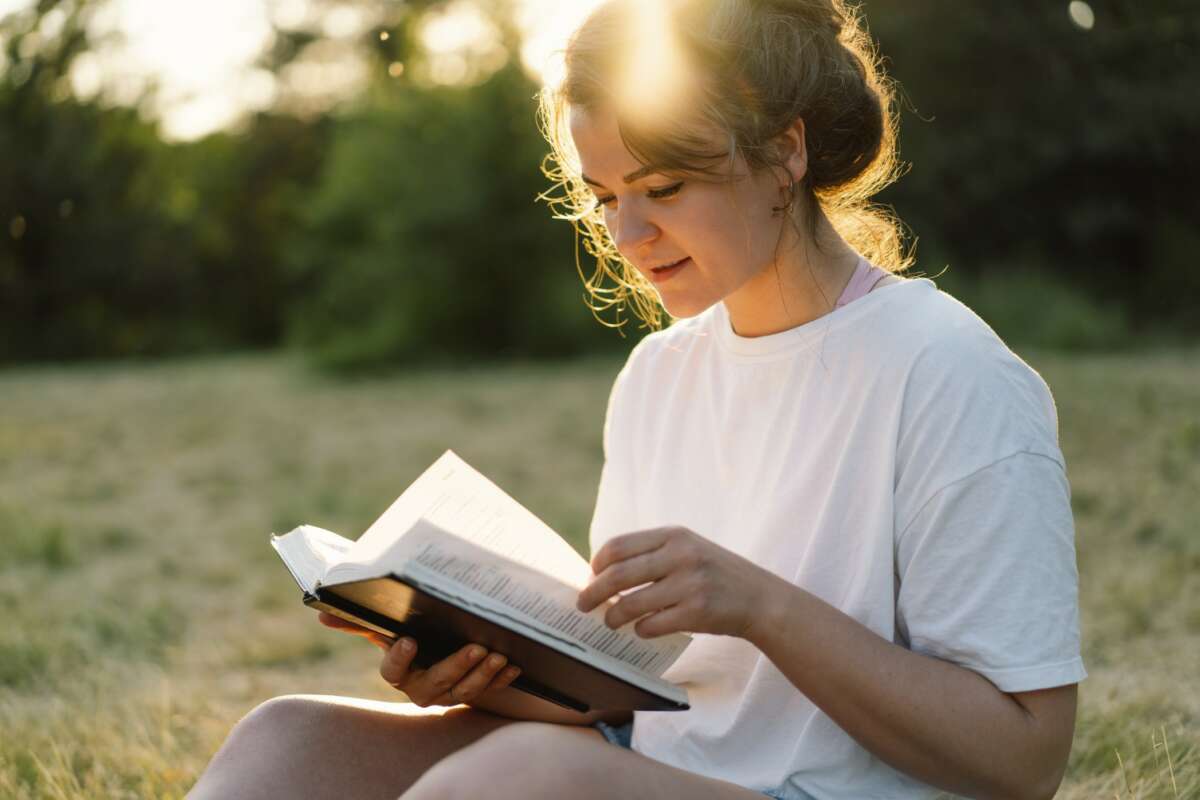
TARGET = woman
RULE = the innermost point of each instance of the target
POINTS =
(838, 479)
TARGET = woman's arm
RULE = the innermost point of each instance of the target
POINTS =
(938, 722)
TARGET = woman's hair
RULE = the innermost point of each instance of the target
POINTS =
(754, 67)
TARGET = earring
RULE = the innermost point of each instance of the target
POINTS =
(789, 196)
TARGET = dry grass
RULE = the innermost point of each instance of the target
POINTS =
(144, 612)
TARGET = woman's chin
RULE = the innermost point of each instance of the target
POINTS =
(683, 308)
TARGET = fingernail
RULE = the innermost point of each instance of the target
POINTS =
(407, 645)
(512, 672)
(496, 660)
(475, 653)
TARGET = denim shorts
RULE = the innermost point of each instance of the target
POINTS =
(622, 736)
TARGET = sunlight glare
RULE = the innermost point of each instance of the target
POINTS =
(545, 26)
(1081, 14)
(86, 77)
(345, 22)
(192, 50)
(462, 44)
(654, 76)
(289, 14)
(52, 23)
(460, 26)
(195, 51)
(9, 6)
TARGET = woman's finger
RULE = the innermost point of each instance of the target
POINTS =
(396, 663)
(502, 680)
(331, 621)
(655, 597)
(337, 623)
(629, 545)
(670, 620)
(506, 676)
(428, 687)
(625, 574)
(476, 682)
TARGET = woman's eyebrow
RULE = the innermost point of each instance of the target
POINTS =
(637, 174)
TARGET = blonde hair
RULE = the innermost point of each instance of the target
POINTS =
(760, 65)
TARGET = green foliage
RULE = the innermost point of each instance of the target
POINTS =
(406, 228)
(114, 243)
(133, 247)
(1028, 134)
(29, 542)
(21, 662)
(1038, 309)
(423, 238)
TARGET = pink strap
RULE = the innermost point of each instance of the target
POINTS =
(864, 279)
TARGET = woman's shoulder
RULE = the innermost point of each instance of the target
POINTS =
(945, 336)
(949, 370)
(922, 327)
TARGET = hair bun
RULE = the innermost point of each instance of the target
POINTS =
(817, 15)
(844, 135)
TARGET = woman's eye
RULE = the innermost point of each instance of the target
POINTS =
(666, 191)
(654, 194)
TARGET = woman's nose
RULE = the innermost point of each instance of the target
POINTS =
(633, 229)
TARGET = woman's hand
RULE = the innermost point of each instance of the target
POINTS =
(460, 678)
(694, 585)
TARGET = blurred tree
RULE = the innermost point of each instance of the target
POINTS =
(115, 243)
(424, 240)
(1039, 144)
(400, 222)
(75, 203)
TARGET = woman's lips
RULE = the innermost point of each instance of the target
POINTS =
(662, 274)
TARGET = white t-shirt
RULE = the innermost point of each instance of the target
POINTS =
(893, 458)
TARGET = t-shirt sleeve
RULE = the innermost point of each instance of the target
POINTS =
(987, 575)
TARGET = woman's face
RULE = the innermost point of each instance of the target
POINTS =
(721, 237)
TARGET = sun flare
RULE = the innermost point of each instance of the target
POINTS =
(654, 77)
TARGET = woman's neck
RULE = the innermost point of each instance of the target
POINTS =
(803, 284)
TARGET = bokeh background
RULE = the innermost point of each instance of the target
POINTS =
(261, 261)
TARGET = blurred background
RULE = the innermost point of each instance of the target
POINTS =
(185, 177)
(262, 261)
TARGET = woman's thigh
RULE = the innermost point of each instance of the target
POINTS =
(316, 747)
(535, 759)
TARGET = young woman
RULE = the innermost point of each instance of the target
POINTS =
(838, 479)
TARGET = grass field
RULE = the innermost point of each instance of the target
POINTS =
(143, 610)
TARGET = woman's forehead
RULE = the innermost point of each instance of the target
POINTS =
(597, 137)
(606, 160)
(602, 153)
(595, 132)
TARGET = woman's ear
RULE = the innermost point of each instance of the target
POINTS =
(792, 150)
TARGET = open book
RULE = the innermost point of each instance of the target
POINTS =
(456, 560)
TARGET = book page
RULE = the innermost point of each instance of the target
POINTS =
(516, 590)
(308, 551)
(458, 499)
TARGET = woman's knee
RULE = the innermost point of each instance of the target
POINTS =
(337, 747)
(522, 759)
(263, 740)
(279, 722)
